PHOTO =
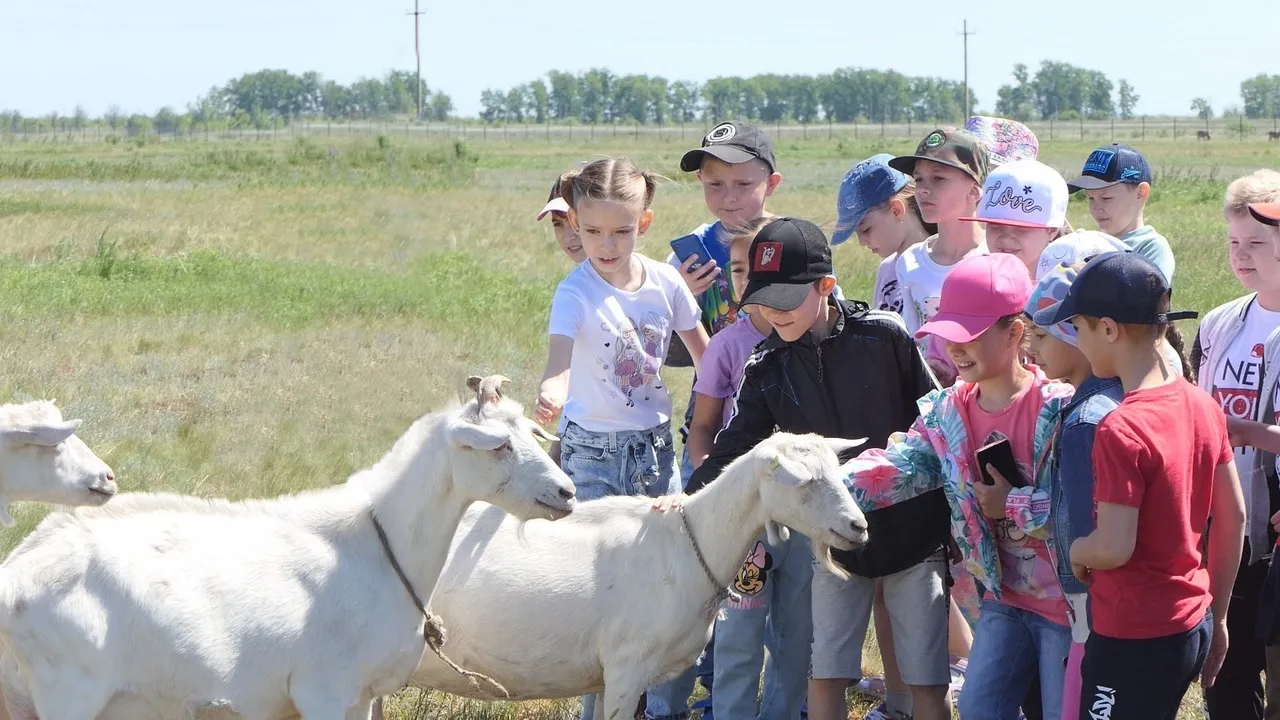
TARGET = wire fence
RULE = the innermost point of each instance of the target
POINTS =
(1236, 129)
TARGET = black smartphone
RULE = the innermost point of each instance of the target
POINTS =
(999, 455)
(688, 246)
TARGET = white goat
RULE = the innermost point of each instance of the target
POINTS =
(264, 608)
(617, 596)
(42, 460)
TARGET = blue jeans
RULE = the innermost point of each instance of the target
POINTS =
(1009, 645)
(633, 462)
(780, 618)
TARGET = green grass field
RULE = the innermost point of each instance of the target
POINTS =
(248, 319)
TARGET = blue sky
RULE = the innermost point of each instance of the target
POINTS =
(144, 54)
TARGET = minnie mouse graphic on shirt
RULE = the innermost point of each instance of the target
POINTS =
(752, 578)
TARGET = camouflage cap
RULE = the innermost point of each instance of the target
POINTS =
(949, 146)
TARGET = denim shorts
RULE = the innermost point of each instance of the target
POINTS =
(631, 462)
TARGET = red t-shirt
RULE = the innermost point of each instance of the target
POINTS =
(1158, 452)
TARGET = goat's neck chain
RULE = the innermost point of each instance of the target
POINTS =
(722, 591)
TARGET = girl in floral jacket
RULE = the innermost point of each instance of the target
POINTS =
(1003, 532)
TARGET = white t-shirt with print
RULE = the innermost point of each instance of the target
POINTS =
(1237, 381)
(619, 342)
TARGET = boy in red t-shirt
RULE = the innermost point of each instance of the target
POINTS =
(1162, 466)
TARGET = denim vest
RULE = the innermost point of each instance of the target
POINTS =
(1072, 500)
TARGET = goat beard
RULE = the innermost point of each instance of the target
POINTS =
(822, 553)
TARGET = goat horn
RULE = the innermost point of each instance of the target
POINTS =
(490, 390)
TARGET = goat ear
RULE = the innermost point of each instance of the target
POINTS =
(541, 434)
(473, 383)
(477, 437)
(789, 472)
(49, 434)
(777, 534)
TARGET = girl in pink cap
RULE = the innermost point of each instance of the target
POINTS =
(558, 208)
(1000, 523)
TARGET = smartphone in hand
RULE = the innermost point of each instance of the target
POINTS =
(999, 455)
(688, 246)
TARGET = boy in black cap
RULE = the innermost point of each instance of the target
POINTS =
(1117, 180)
(1162, 465)
(838, 369)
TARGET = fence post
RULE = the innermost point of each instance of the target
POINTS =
(1144, 128)
(1113, 128)
(1082, 127)
(1175, 128)
(1241, 127)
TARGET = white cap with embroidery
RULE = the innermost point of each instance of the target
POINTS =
(1023, 193)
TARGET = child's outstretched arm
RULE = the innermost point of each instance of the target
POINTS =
(908, 467)
(555, 380)
(1254, 434)
(695, 341)
(752, 422)
(708, 413)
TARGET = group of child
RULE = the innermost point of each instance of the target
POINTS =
(1073, 570)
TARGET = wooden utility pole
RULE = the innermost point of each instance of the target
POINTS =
(966, 35)
(417, 54)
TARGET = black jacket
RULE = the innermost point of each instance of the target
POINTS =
(862, 380)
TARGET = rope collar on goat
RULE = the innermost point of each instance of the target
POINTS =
(722, 591)
(432, 629)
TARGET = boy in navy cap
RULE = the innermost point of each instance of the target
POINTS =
(1159, 611)
(1117, 180)
(737, 169)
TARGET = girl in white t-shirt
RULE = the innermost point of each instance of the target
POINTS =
(611, 321)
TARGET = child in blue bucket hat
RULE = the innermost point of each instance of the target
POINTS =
(878, 204)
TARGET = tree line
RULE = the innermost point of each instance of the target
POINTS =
(268, 98)
(845, 95)
(262, 100)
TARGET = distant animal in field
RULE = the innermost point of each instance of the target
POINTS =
(1273, 135)
(1203, 135)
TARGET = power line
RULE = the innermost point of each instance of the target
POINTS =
(966, 35)
(417, 54)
